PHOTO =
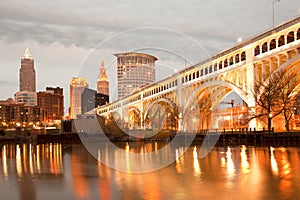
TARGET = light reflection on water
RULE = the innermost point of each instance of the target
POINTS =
(56, 171)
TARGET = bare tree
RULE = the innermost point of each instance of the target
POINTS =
(268, 93)
(287, 96)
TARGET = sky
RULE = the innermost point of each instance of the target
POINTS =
(68, 38)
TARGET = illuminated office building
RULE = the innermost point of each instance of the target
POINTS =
(77, 87)
(134, 70)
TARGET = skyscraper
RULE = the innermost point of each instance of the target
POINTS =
(102, 83)
(27, 94)
(134, 70)
(76, 88)
(27, 73)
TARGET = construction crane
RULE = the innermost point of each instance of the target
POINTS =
(231, 102)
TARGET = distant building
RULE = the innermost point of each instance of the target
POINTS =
(28, 98)
(51, 103)
(90, 99)
(134, 70)
(12, 115)
(27, 73)
(102, 83)
(76, 88)
(7, 101)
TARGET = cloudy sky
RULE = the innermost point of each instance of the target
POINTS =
(68, 38)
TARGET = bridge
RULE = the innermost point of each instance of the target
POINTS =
(186, 101)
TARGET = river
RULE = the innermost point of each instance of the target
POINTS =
(57, 171)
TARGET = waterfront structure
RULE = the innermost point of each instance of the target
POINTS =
(16, 115)
(77, 86)
(28, 98)
(102, 83)
(134, 71)
(193, 94)
(27, 73)
(51, 103)
(90, 99)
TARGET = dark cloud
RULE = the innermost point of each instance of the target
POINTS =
(86, 23)
(61, 33)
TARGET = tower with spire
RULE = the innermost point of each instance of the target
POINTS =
(102, 83)
(27, 92)
(27, 73)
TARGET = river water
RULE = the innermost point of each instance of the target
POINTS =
(57, 171)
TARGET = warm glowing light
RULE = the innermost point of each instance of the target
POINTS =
(127, 148)
(230, 167)
(30, 160)
(18, 161)
(196, 165)
(244, 160)
(38, 163)
(223, 162)
(239, 40)
(4, 162)
(178, 164)
(274, 165)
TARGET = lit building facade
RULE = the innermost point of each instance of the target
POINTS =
(134, 70)
(77, 86)
(27, 73)
(90, 99)
(51, 103)
(102, 83)
(28, 98)
(13, 115)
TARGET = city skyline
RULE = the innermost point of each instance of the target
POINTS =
(59, 47)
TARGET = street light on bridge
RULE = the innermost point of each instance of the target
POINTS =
(273, 5)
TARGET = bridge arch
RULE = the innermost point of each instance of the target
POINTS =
(161, 119)
(234, 88)
(134, 119)
(165, 100)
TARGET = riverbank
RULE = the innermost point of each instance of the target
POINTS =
(249, 139)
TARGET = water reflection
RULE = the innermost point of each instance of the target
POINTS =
(244, 160)
(273, 162)
(30, 171)
(196, 165)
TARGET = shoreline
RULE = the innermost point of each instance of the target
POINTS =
(253, 139)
